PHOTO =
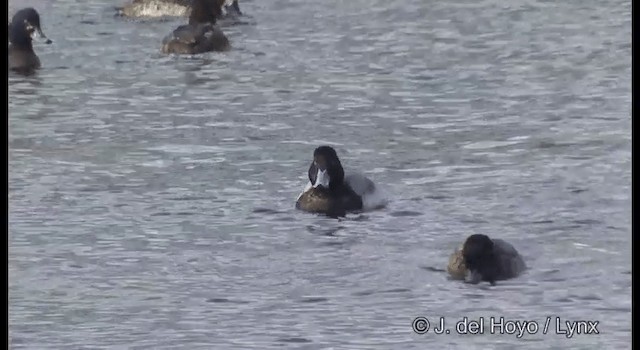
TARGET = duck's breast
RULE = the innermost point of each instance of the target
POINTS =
(314, 201)
(456, 267)
(22, 59)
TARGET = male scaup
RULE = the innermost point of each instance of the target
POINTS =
(331, 192)
(200, 35)
(24, 26)
(484, 259)
(174, 8)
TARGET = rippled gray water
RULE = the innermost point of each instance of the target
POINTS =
(151, 197)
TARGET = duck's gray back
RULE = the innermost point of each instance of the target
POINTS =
(360, 184)
(510, 260)
(157, 8)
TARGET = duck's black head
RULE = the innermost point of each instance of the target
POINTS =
(205, 11)
(479, 258)
(24, 26)
(327, 164)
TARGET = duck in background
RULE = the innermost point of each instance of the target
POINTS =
(200, 35)
(173, 8)
(24, 27)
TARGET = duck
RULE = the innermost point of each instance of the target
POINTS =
(330, 191)
(481, 258)
(23, 28)
(200, 35)
(172, 8)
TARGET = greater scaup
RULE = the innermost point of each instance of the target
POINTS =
(24, 26)
(484, 259)
(331, 192)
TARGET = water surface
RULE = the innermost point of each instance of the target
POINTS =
(152, 197)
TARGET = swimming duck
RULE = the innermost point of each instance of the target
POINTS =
(173, 8)
(481, 258)
(24, 26)
(200, 35)
(329, 190)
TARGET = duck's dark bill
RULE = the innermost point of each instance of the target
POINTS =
(38, 34)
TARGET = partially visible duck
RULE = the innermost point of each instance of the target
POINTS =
(24, 27)
(200, 35)
(172, 8)
(330, 191)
